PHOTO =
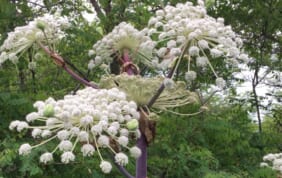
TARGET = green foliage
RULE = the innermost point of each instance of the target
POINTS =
(205, 144)
(264, 173)
(221, 175)
(220, 143)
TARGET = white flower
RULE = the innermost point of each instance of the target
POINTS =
(96, 129)
(277, 163)
(87, 150)
(152, 21)
(76, 112)
(194, 51)
(106, 167)
(123, 140)
(190, 76)
(203, 44)
(24, 37)
(83, 136)
(103, 141)
(86, 120)
(67, 157)
(46, 157)
(39, 105)
(63, 134)
(234, 52)
(22, 125)
(160, 13)
(14, 124)
(123, 132)
(25, 149)
(124, 36)
(201, 61)
(36, 133)
(121, 159)
(269, 157)
(91, 64)
(84, 117)
(135, 152)
(112, 130)
(91, 52)
(74, 131)
(32, 116)
(215, 53)
(171, 44)
(46, 133)
(162, 52)
(244, 57)
(65, 145)
(51, 121)
(220, 82)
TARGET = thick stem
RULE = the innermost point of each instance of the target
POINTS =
(169, 75)
(162, 87)
(78, 78)
(141, 163)
(123, 170)
(126, 60)
(60, 62)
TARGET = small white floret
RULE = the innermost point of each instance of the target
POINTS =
(25, 149)
(106, 167)
(121, 159)
(46, 157)
(67, 157)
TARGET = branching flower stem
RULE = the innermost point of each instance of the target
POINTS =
(170, 75)
(60, 62)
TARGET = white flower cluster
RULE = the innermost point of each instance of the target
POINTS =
(189, 32)
(45, 29)
(275, 161)
(95, 118)
(123, 37)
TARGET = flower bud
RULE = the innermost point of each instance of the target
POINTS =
(40, 25)
(133, 124)
(48, 111)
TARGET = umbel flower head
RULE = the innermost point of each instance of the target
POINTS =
(123, 37)
(91, 119)
(273, 160)
(188, 32)
(46, 29)
(141, 90)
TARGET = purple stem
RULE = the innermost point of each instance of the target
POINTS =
(161, 88)
(78, 78)
(123, 170)
(126, 59)
(141, 163)
(60, 62)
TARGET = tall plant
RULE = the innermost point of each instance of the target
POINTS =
(146, 72)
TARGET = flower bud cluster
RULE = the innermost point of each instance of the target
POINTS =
(95, 118)
(45, 29)
(123, 37)
(189, 32)
(275, 161)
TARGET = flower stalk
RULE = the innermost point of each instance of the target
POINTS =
(59, 61)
